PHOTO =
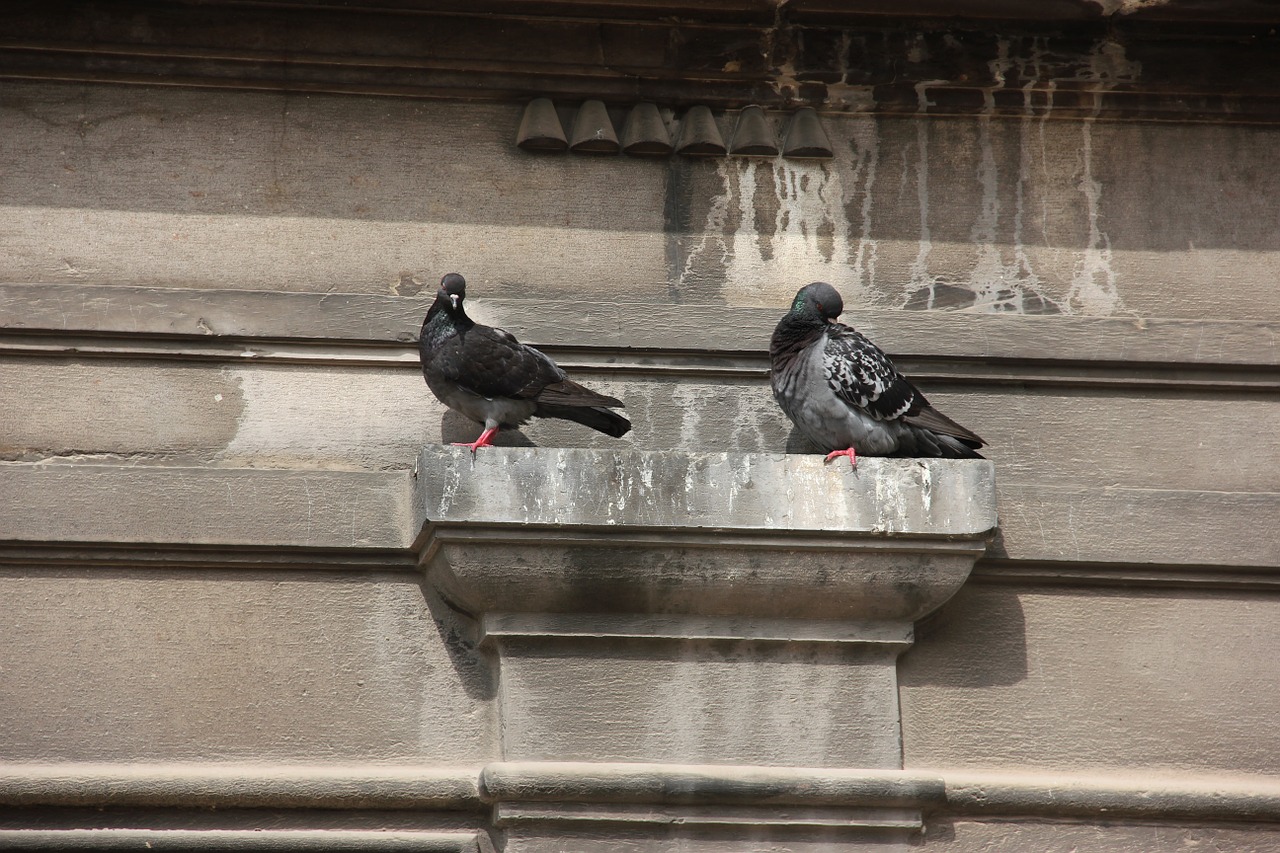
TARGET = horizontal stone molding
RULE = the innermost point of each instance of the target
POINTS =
(826, 56)
(71, 555)
(894, 636)
(378, 329)
(1120, 525)
(424, 841)
(223, 786)
(1067, 573)
(987, 372)
(1049, 794)
(67, 512)
(698, 817)
(1141, 793)
(1149, 795)
(567, 781)
(770, 576)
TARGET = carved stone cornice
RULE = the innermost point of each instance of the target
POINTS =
(1075, 58)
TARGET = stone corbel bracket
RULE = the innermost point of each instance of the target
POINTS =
(672, 608)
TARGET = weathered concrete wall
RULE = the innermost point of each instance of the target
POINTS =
(323, 193)
(1126, 388)
(160, 665)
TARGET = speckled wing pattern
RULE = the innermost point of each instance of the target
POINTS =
(862, 375)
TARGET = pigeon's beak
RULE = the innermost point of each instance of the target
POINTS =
(453, 297)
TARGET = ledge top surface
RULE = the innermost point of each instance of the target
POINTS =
(746, 491)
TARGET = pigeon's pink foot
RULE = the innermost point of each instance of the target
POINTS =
(485, 440)
(853, 457)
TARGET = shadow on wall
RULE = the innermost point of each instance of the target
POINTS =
(797, 443)
(460, 637)
(977, 639)
(456, 427)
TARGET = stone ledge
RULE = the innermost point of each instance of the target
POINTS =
(722, 492)
(766, 536)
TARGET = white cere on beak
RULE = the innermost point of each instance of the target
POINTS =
(453, 297)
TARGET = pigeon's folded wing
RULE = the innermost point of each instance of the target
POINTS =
(492, 363)
(861, 375)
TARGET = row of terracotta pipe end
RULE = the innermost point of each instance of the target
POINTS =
(648, 133)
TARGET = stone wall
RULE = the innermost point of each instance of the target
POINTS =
(211, 415)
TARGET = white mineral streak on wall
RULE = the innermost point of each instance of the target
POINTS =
(990, 278)
(1029, 130)
(919, 274)
(1093, 282)
(997, 285)
(688, 402)
(866, 155)
(926, 488)
(812, 239)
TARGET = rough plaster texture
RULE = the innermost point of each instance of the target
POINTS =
(154, 665)
(1075, 679)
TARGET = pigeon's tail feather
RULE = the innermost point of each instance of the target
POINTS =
(931, 419)
(566, 392)
(954, 449)
(596, 417)
(923, 442)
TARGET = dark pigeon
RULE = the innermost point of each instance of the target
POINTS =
(493, 379)
(841, 391)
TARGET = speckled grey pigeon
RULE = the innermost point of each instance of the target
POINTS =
(493, 379)
(841, 391)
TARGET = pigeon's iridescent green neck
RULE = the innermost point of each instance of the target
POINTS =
(798, 305)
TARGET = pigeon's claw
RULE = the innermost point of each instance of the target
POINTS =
(853, 457)
(485, 440)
